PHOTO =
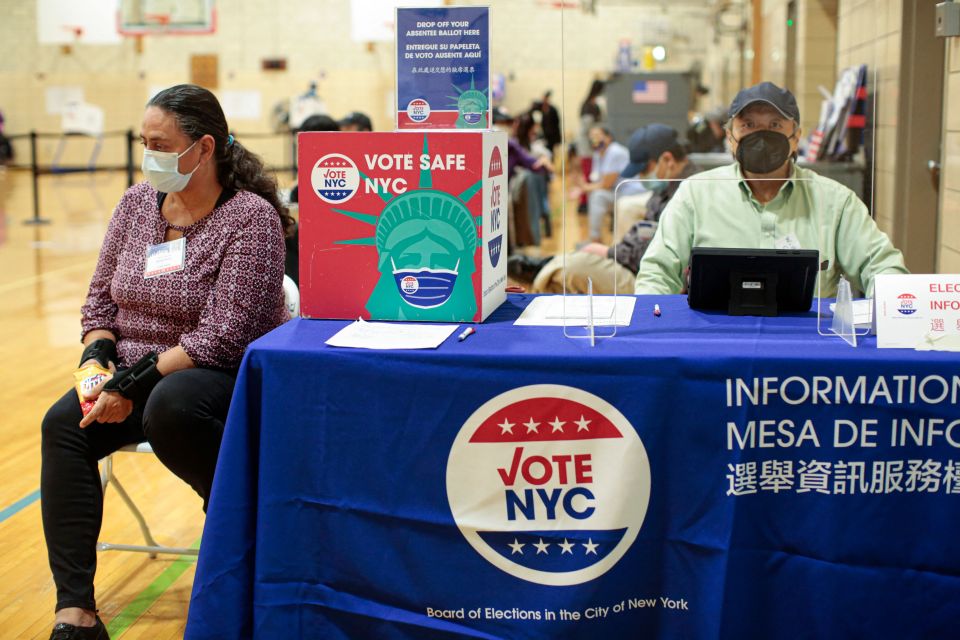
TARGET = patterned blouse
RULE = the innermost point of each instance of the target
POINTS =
(229, 293)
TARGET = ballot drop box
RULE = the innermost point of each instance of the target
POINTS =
(403, 225)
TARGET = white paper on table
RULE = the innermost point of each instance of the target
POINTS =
(862, 311)
(391, 335)
(548, 311)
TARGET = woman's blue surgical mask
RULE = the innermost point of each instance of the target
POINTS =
(423, 287)
(162, 170)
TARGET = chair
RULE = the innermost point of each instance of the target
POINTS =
(107, 478)
(291, 296)
(291, 299)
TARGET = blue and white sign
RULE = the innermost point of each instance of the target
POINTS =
(443, 68)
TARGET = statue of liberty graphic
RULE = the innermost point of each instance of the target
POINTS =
(425, 240)
(471, 107)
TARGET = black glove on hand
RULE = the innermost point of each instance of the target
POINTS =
(138, 381)
(104, 351)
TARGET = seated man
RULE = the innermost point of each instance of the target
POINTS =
(356, 121)
(656, 155)
(609, 160)
(765, 201)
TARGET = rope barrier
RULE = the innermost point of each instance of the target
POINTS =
(55, 168)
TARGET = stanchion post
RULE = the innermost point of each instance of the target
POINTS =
(35, 172)
(130, 140)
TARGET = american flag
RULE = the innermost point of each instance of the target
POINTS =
(650, 92)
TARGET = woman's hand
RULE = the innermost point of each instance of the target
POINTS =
(110, 407)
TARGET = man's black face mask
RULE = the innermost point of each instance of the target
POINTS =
(763, 151)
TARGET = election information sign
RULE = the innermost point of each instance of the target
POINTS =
(918, 310)
(443, 68)
(403, 226)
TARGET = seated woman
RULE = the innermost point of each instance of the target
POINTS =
(190, 272)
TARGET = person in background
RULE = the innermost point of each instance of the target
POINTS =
(313, 123)
(706, 134)
(517, 155)
(356, 121)
(529, 136)
(657, 157)
(590, 114)
(549, 121)
(609, 160)
(525, 209)
(292, 259)
(6, 147)
(765, 201)
(170, 334)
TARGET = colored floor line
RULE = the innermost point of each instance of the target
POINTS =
(19, 505)
(122, 621)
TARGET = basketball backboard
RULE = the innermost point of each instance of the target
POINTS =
(161, 17)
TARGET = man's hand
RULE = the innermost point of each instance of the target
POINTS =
(596, 249)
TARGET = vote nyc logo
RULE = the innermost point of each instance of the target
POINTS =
(418, 110)
(907, 304)
(335, 178)
(549, 483)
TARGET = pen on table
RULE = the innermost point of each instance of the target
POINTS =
(469, 331)
(656, 310)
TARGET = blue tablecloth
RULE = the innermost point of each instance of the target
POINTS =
(725, 478)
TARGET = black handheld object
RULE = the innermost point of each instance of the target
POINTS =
(138, 381)
(752, 282)
(104, 351)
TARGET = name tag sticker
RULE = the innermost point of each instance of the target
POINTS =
(164, 258)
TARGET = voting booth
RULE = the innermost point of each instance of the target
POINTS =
(403, 226)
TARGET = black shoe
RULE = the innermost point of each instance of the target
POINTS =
(524, 268)
(64, 631)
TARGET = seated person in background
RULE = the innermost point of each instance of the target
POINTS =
(609, 160)
(657, 155)
(706, 134)
(765, 201)
(172, 334)
(356, 121)
(638, 184)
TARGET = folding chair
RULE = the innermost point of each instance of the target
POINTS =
(108, 478)
(292, 302)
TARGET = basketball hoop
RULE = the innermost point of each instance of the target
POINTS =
(161, 20)
(76, 30)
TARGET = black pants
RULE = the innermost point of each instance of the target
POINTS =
(182, 420)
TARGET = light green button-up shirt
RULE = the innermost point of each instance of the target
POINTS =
(717, 209)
